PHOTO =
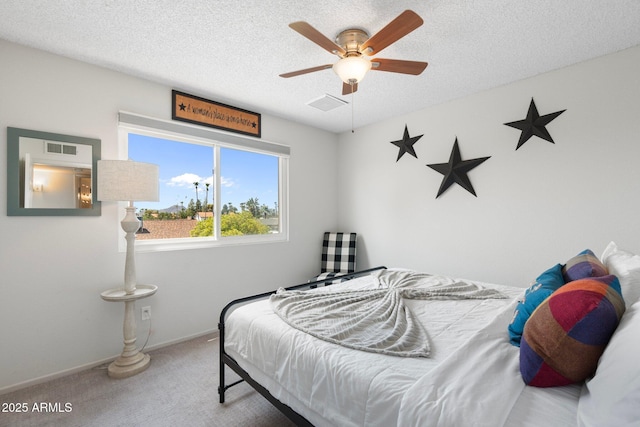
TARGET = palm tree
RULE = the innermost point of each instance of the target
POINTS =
(206, 197)
(253, 206)
(197, 206)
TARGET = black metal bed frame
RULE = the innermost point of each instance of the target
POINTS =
(225, 359)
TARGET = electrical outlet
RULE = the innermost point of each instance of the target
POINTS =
(146, 312)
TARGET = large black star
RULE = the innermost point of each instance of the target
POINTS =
(534, 125)
(406, 144)
(456, 170)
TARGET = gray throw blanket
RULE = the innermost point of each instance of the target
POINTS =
(374, 320)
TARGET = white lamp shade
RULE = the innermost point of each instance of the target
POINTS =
(352, 68)
(124, 180)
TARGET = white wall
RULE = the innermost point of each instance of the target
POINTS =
(52, 269)
(536, 206)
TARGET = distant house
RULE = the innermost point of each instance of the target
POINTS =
(203, 215)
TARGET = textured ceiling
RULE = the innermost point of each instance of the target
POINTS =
(233, 51)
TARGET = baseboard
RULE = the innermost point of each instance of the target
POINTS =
(43, 379)
(214, 334)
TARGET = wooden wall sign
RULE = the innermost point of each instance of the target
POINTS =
(200, 111)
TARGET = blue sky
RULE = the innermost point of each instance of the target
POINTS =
(243, 174)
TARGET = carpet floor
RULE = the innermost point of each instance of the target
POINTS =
(180, 388)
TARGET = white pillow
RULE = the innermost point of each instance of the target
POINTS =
(626, 266)
(611, 397)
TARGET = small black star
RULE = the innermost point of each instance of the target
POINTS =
(406, 144)
(534, 125)
(456, 170)
(182, 107)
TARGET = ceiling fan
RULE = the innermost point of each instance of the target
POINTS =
(353, 45)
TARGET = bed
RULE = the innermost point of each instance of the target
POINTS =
(468, 374)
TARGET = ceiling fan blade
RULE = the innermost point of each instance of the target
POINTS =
(306, 71)
(398, 66)
(317, 37)
(347, 88)
(406, 22)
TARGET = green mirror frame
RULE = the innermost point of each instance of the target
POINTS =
(15, 207)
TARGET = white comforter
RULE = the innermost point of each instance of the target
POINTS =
(480, 382)
(471, 377)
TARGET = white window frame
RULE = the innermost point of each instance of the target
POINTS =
(158, 128)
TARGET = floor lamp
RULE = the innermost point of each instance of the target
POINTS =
(125, 180)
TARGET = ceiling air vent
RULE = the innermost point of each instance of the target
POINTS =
(326, 103)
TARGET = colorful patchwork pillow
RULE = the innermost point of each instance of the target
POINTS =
(544, 286)
(583, 265)
(566, 335)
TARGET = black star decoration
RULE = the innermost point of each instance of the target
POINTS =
(456, 170)
(182, 107)
(406, 144)
(534, 125)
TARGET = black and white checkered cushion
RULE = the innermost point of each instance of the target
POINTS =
(338, 253)
(338, 256)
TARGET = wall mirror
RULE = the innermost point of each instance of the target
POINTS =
(50, 174)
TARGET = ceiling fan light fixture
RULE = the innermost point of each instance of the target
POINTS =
(352, 69)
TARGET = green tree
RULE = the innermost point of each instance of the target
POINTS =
(226, 209)
(231, 224)
(203, 228)
(191, 209)
(206, 197)
(238, 224)
(253, 206)
(183, 214)
(148, 214)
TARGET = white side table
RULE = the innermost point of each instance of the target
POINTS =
(131, 361)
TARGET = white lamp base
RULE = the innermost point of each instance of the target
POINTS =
(131, 361)
(128, 366)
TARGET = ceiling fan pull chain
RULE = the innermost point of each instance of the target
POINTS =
(352, 98)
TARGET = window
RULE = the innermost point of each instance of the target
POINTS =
(215, 188)
(249, 193)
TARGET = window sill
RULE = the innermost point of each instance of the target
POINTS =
(205, 242)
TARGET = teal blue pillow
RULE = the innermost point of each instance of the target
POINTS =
(544, 286)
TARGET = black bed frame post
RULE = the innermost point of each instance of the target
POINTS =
(221, 387)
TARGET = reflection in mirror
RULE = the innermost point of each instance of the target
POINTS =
(56, 175)
(51, 174)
